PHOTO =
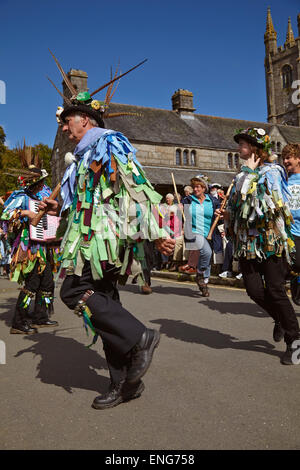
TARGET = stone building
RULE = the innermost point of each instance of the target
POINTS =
(282, 68)
(185, 143)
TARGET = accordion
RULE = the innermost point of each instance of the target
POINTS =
(45, 231)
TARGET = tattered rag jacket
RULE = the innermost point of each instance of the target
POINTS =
(260, 220)
(110, 207)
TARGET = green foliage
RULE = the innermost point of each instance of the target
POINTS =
(10, 159)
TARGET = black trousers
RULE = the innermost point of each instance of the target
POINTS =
(149, 258)
(228, 257)
(37, 284)
(296, 264)
(118, 328)
(270, 293)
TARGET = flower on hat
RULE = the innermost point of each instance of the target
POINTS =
(58, 113)
(21, 181)
(83, 96)
(95, 104)
(267, 138)
(260, 131)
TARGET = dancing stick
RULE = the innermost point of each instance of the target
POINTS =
(177, 196)
(42, 212)
(224, 202)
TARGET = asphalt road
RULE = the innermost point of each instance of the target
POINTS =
(216, 381)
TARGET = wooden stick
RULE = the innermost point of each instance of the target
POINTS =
(177, 196)
(41, 213)
(224, 202)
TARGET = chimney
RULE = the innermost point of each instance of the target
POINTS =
(78, 79)
(182, 101)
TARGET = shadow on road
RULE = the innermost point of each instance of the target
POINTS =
(66, 363)
(9, 306)
(235, 308)
(188, 292)
(178, 329)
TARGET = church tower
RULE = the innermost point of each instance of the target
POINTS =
(282, 68)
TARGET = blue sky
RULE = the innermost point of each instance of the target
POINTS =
(214, 49)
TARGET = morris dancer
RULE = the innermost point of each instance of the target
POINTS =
(259, 223)
(32, 262)
(103, 190)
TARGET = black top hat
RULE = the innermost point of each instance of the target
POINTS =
(255, 136)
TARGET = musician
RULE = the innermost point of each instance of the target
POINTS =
(259, 222)
(102, 190)
(32, 262)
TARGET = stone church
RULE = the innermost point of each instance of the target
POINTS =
(185, 143)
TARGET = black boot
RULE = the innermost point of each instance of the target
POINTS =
(141, 355)
(278, 332)
(291, 357)
(42, 309)
(23, 329)
(118, 393)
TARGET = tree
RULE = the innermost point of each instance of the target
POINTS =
(10, 159)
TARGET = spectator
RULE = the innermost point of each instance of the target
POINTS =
(291, 160)
(199, 213)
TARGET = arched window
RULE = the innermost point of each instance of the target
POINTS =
(193, 158)
(185, 157)
(287, 76)
(230, 160)
(178, 157)
(278, 147)
(236, 160)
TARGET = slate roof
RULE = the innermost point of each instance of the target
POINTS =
(167, 127)
(183, 176)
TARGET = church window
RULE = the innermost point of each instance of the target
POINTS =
(279, 147)
(236, 160)
(178, 157)
(287, 76)
(193, 158)
(185, 157)
(229, 160)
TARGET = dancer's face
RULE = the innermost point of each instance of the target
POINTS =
(245, 150)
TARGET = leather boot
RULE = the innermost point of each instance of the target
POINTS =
(203, 287)
(278, 332)
(141, 355)
(23, 329)
(146, 289)
(291, 356)
(118, 393)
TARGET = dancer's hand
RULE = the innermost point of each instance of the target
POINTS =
(27, 213)
(252, 162)
(223, 213)
(165, 245)
(50, 206)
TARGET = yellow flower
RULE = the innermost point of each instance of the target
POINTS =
(267, 138)
(95, 104)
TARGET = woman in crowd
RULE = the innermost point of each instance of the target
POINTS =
(199, 211)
